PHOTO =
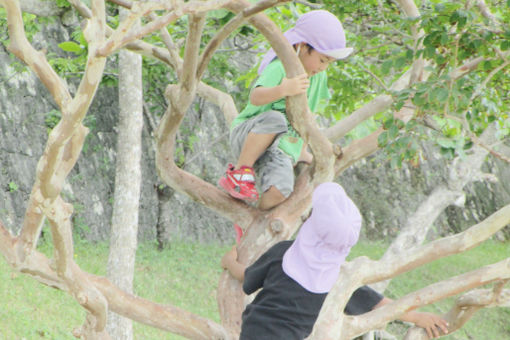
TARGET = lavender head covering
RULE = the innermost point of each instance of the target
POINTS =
(322, 30)
(324, 240)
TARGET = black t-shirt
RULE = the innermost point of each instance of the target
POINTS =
(283, 309)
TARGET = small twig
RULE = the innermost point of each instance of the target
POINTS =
(309, 4)
(493, 152)
(152, 123)
(201, 153)
(376, 78)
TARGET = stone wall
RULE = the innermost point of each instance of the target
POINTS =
(385, 196)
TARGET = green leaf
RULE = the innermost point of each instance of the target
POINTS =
(419, 100)
(439, 94)
(440, 59)
(13, 187)
(386, 66)
(396, 162)
(409, 54)
(430, 52)
(393, 132)
(444, 38)
(387, 123)
(487, 65)
(400, 62)
(70, 46)
(382, 140)
(446, 142)
(399, 104)
(505, 44)
(439, 7)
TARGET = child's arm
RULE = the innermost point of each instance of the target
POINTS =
(288, 87)
(432, 323)
(230, 263)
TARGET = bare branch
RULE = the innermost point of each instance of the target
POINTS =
(188, 81)
(376, 105)
(169, 318)
(430, 294)
(466, 306)
(175, 59)
(309, 4)
(36, 60)
(486, 12)
(164, 317)
(364, 271)
(223, 100)
(192, 7)
(227, 29)
(491, 150)
(409, 8)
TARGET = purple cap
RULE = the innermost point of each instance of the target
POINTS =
(324, 240)
(322, 30)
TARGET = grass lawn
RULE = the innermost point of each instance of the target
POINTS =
(186, 275)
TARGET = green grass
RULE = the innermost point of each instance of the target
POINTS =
(186, 275)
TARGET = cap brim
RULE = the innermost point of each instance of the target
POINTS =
(340, 53)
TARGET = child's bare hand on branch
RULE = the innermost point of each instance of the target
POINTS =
(229, 257)
(434, 325)
(296, 85)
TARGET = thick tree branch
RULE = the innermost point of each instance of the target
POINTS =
(164, 317)
(357, 325)
(364, 271)
(466, 306)
(169, 318)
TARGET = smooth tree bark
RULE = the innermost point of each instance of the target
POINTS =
(263, 229)
(463, 172)
(124, 231)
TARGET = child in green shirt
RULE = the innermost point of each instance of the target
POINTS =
(261, 135)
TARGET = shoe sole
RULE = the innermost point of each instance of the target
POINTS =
(223, 183)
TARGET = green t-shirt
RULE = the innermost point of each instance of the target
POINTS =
(317, 95)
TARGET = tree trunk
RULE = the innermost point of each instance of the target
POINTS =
(123, 239)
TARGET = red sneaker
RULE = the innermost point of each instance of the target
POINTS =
(239, 233)
(240, 183)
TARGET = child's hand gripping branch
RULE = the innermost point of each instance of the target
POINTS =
(234, 267)
(296, 276)
(288, 87)
(433, 324)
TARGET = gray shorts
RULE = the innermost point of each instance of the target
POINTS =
(274, 167)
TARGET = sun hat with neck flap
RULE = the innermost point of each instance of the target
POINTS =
(324, 240)
(321, 30)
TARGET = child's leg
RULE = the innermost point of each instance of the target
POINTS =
(254, 146)
(276, 173)
(249, 140)
(271, 198)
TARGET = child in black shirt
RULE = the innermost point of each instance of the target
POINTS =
(295, 276)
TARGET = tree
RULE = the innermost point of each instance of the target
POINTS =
(123, 238)
(444, 74)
